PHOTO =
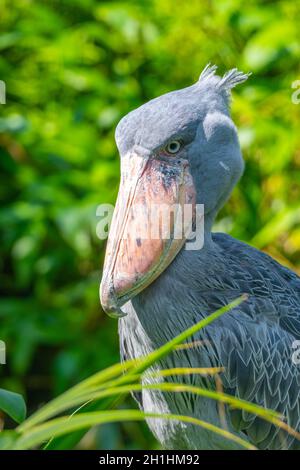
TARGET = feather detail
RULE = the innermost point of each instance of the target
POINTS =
(232, 78)
(208, 72)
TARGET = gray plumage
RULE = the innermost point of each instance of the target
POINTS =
(254, 342)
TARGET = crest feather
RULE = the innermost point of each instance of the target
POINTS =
(231, 78)
(208, 72)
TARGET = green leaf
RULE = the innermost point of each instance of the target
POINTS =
(13, 405)
(65, 424)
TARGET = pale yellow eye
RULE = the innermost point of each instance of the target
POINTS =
(173, 147)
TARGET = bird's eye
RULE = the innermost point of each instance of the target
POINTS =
(173, 147)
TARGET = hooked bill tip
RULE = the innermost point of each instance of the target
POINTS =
(109, 301)
(115, 312)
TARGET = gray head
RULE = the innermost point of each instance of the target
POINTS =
(179, 148)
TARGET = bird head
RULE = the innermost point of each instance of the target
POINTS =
(177, 150)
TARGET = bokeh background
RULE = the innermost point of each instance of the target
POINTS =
(72, 70)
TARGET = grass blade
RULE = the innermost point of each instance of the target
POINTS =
(63, 425)
(133, 367)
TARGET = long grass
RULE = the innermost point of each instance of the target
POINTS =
(114, 383)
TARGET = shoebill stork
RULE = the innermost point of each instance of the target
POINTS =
(183, 147)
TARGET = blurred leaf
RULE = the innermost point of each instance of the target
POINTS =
(7, 439)
(13, 405)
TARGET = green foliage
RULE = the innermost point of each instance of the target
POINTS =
(72, 70)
